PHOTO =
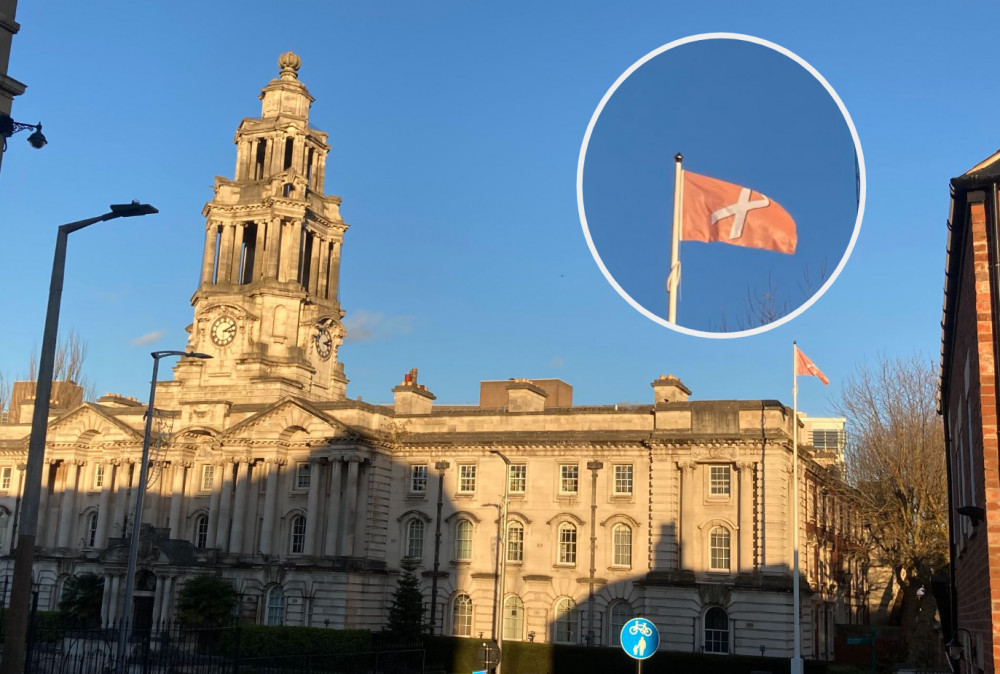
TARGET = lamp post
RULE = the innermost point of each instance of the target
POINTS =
(501, 560)
(133, 551)
(24, 555)
(8, 127)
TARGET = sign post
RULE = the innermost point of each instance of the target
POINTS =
(639, 639)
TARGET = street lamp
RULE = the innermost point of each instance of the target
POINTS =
(498, 587)
(133, 551)
(24, 555)
(8, 127)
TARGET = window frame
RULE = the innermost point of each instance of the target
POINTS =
(91, 531)
(98, 475)
(569, 479)
(464, 601)
(200, 536)
(463, 545)
(712, 637)
(297, 535)
(274, 602)
(614, 627)
(207, 474)
(714, 547)
(303, 475)
(467, 478)
(618, 488)
(411, 539)
(515, 544)
(566, 619)
(512, 625)
(6, 477)
(418, 482)
(719, 488)
(621, 552)
(567, 545)
(515, 481)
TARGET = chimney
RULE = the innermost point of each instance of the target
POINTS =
(669, 389)
(411, 397)
(523, 395)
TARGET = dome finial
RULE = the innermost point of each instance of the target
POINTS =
(289, 63)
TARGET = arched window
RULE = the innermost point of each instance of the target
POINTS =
(622, 545)
(716, 631)
(621, 612)
(567, 543)
(275, 606)
(462, 616)
(201, 532)
(298, 539)
(92, 529)
(513, 618)
(719, 549)
(515, 542)
(463, 540)
(567, 624)
(415, 538)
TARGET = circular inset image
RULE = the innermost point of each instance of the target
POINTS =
(721, 185)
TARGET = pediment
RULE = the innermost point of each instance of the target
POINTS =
(89, 420)
(292, 418)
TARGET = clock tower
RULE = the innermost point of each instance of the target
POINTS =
(267, 307)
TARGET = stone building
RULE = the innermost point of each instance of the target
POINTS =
(968, 405)
(307, 501)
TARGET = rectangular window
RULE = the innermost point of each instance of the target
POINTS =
(719, 481)
(99, 476)
(466, 478)
(518, 478)
(5, 474)
(567, 544)
(207, 477)
(302, 476)
(828, 438)
(418, 479)
(569, 479)
(515, 542)
(623, 480)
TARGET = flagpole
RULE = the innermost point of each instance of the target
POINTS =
(674, 280)
(797, 665)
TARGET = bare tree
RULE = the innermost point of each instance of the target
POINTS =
(896, 465)
(768, 304)
(67, 365)
(4, 397)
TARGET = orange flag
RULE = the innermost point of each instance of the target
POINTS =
(714, 210)
(804, 366)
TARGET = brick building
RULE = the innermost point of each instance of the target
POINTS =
(968, 407)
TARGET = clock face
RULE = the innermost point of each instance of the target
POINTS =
(223, 331)
(324, 343)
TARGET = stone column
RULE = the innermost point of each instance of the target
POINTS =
(240, 506)
(165, 599)
(334, 509)
(208, 260)
(313, 280)
(350, 507)
(273, 248)
(106, 601)
(689, 532)
(103, 504)
(151, 505)
(237, 252)
(313, 515)
(225, 501)
(213, 507)
(335, 273)
(226, 254)
(746, 517)
(258, 251)
(324, 267)
(176, 499)
(67, 508)
(122, 480)
(270, 502)
(289, 241)
(115, 598)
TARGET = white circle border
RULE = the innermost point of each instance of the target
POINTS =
(861, 173)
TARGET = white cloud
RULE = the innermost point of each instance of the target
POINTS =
(365, 325)
(148, 338)
(557, 361)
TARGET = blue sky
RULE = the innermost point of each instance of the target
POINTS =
(737, 111)
(456, 129)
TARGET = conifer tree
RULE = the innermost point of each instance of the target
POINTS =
(406, 615)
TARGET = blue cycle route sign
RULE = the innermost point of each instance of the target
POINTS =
(639, 638)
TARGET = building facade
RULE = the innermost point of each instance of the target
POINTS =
(564, 521)
(968, 407)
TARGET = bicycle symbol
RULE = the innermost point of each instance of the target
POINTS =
(641, 628)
